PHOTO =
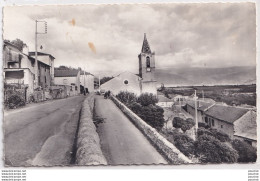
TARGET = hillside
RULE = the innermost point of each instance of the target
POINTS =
(205, 76)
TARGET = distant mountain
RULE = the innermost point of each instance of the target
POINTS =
(205, 76)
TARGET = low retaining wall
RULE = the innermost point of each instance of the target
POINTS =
(88, 143)
(164, 146)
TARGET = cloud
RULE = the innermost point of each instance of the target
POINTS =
(214, 35)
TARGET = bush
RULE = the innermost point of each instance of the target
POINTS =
(223, 137)
(203, 131)
(15, 101)
(126, 97)
(246, 152)
(211, 150)
(146, 99)
(152, 115)
(183, 124)
(184, 143)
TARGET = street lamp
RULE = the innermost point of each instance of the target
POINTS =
(36, 53)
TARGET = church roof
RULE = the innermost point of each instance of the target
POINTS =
(145, 47)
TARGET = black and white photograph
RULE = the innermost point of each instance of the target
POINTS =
(129, 84)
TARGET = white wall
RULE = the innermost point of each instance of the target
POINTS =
(68, 81)
(117, 84)
(89, 82)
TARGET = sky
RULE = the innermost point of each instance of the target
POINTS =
(108, 38)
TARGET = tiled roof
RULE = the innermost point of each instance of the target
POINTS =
(65, 73)
(226, 113)
(246, 126)
(201, 105)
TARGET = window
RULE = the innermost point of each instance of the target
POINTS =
(126, 82)
(45, 79)
(221, 126)
(206, 120)
(76, 88)
(213, 123)
(148, 62)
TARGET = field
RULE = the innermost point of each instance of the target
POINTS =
(229, 94)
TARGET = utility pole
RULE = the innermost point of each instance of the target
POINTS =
(196, 116)
(36, 52)
(36, 60)
(84, 82)
(99, 82)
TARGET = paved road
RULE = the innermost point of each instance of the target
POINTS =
(121, 141)
(41, 134)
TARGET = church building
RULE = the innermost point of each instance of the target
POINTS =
(144, 82)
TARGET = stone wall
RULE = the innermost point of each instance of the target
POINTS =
(171, 153)
(88, 142)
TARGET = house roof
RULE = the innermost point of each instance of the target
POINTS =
(65, 73)
(162, 98)
(9, 43)
(246, 126)
(201, 105)
(226, 113)
(40, 54)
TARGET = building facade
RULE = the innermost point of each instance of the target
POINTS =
(18, 67)
(125, 81)
(47, 65)
(69, 78)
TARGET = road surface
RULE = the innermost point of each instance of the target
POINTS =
(121, 141)
(41, 134)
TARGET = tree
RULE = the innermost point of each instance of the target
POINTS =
(211, 150)
(18, 43)
(126, 97)
(105, 79)
(152, 114)
(185, 125)
(146, 99)
(183, 142)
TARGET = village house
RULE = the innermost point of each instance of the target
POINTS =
(201, 108)
(19, 71)
(236, 122)
(47, 60)
(18, 68)
(68, 78)
(86, 81)
(222, 118)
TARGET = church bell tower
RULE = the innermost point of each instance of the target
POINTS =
(147, 68)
